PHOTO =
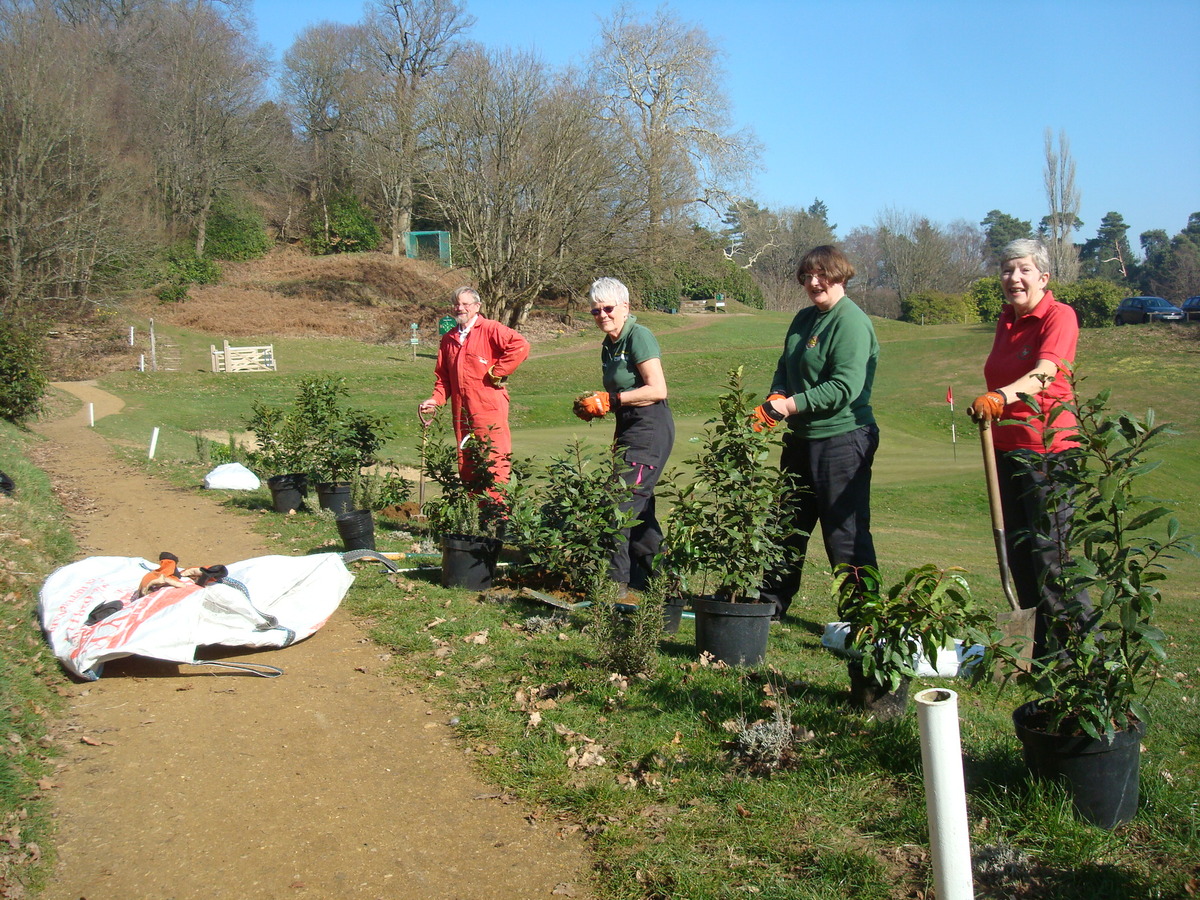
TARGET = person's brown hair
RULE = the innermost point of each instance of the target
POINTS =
(826, 260)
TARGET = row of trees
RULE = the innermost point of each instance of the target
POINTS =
(127, 128)
(123, 126)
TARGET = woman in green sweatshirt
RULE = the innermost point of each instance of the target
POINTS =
(822, 387)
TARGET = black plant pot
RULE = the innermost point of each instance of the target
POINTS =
(469, 561)
(734, 633)
(356, 529)
(335, 496)
(287, 492)
(870, 696)
(1101, 775)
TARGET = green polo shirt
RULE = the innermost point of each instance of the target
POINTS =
(619, 359)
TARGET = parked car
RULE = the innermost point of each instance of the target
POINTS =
(1191, 309)
(1134, 310)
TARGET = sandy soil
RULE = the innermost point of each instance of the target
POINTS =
(332, 781)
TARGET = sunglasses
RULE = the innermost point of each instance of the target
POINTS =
(607, 310)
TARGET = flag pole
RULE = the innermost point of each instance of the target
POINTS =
(953, 433)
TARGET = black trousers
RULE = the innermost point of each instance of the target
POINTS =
(1036, 529)
(645, 435)
(834, 488)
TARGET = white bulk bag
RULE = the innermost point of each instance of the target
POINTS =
(286, 600)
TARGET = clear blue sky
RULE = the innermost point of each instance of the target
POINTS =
(934, 107)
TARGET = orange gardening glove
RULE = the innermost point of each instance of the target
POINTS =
(161, 577)
(767, 415)
(595, 405)
(988, 407)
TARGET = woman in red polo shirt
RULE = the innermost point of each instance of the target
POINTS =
(1032, 355)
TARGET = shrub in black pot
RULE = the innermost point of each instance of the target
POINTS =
(1089, 710)
(727, 529)
(469, 517)
(923, 612)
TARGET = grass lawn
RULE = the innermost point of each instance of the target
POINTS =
(668, 813)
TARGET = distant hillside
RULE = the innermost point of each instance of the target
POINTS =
(363, 296)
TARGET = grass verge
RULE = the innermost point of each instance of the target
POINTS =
(33, 542)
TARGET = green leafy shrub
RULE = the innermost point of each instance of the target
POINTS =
(350, 227)
(938, 308)
(727, 524)
(1094, 300)
(342, 439)
(181, 268)
(477, 506)
(380, 489)
(235, 230)
(925, 611)
(22, 371)
(988, 298)
(1096, 679)
(568, 515)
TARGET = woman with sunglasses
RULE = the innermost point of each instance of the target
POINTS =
(635, 391)
(822, 387)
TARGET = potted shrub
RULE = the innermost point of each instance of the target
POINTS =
(925, 611)
(281, 454)
(727, 528)
(343, 439)
(371, 491)
(1089, 714)
(469, 517)
(567, 518)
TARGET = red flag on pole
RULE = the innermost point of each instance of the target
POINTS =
(953, 433)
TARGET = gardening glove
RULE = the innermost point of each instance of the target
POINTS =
(596, 404)
(988, 407)
(767, 416)
(493, 379)
(163, 576)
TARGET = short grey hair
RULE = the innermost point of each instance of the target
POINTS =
(1022, 247)
(459, 291)
(608, 290)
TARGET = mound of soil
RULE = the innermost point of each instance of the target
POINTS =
(369, 297)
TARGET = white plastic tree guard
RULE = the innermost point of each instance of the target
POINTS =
(945, 794)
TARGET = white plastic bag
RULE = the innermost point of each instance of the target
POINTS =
(231, 477)
(951, 661)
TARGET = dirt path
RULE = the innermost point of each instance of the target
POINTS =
(331, 781)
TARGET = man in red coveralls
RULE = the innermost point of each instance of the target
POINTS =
(473, 362)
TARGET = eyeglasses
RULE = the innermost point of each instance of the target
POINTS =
(607, 310)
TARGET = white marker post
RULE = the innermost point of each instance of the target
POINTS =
(153, 442)
(91, 415)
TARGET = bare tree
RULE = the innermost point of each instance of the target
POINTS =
(771, 245)
(412, 40)
(67, 205)
(919, 255)
(201, 91)
(662, 82)
(1062, 197)
(525, 173)
(321, 81)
